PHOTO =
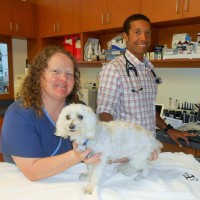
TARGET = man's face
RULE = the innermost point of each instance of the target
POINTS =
(139, 38)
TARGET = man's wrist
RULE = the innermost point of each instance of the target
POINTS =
(168, 127)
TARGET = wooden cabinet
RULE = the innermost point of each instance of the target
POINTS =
(166, 10)
(5, 17)
(1, 121)
(104, 19)
(17, 18)
(99, 15)
(174, 148)
(58, 17)
(191, 8)
(47, 12)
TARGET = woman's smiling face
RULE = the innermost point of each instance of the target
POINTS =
(58, 77)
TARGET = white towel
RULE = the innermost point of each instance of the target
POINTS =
(173, 176)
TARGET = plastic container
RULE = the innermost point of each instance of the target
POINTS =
(111, 54)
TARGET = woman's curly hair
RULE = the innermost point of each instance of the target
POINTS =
(31, 91)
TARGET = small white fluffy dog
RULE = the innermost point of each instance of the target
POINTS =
(115, 139)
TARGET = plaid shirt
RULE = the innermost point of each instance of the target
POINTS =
(115, 94)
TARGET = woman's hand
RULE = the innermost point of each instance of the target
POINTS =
(82, 155)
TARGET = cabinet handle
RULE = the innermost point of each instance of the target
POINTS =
(102, 18)
(108, 18)
(54, 27)
(58, 27)
(186, 5)
(177, 6)
(17, 28)
(11, 26)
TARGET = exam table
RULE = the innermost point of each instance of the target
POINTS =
(173, 176)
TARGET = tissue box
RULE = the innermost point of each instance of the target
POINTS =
(111, 54)
(117, 43)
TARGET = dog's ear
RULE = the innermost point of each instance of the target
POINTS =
(60, 130)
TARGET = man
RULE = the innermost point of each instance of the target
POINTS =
(128, 84)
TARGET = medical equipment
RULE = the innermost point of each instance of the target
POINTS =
(130, 66)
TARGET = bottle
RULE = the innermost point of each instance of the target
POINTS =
(27, 67)
(180, 47)
(198, 37)
(185, 44)
(170, 103)
(164, 50)
(198, 46)
(77, 50)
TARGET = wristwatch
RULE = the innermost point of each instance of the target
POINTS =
(168, 127)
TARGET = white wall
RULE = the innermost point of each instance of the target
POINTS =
(182, 84)
(19, 48)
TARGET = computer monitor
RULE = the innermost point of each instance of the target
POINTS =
(160, 109)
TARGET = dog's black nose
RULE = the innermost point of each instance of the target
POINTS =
(72, 126)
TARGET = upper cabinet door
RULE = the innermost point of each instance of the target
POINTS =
(58, 17)
(93, 15)
(69, 16)
(191, 8)
(6, 17)
(99, 15)
(164, 10)
(47, 17)
(119, 10)
(167, 10)
(23, 18)
(17, 18)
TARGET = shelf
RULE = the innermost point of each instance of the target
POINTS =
(91, 64)
(169, 63)
(177, 63)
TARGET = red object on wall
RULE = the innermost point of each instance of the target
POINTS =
(72, 43)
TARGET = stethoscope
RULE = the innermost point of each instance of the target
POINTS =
(130, 66)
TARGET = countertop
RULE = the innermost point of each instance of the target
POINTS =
(3, 110)
(4, 104)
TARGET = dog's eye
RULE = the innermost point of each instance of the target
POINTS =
(80, 117)
(68, 117)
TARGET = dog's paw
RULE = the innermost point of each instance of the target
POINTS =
(84, 177)
(88, 189)
(142, 173)
(138, 177)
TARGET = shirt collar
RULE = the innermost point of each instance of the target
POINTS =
(136, 62)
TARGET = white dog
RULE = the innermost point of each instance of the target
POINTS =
(115, 139)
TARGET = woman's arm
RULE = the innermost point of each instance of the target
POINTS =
(38, 168)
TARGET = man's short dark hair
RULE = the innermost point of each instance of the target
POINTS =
(134, 17)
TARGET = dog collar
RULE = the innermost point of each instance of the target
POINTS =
(85, 143)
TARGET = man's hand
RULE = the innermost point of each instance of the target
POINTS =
(175, 134)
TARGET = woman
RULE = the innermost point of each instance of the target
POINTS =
(28, 138)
